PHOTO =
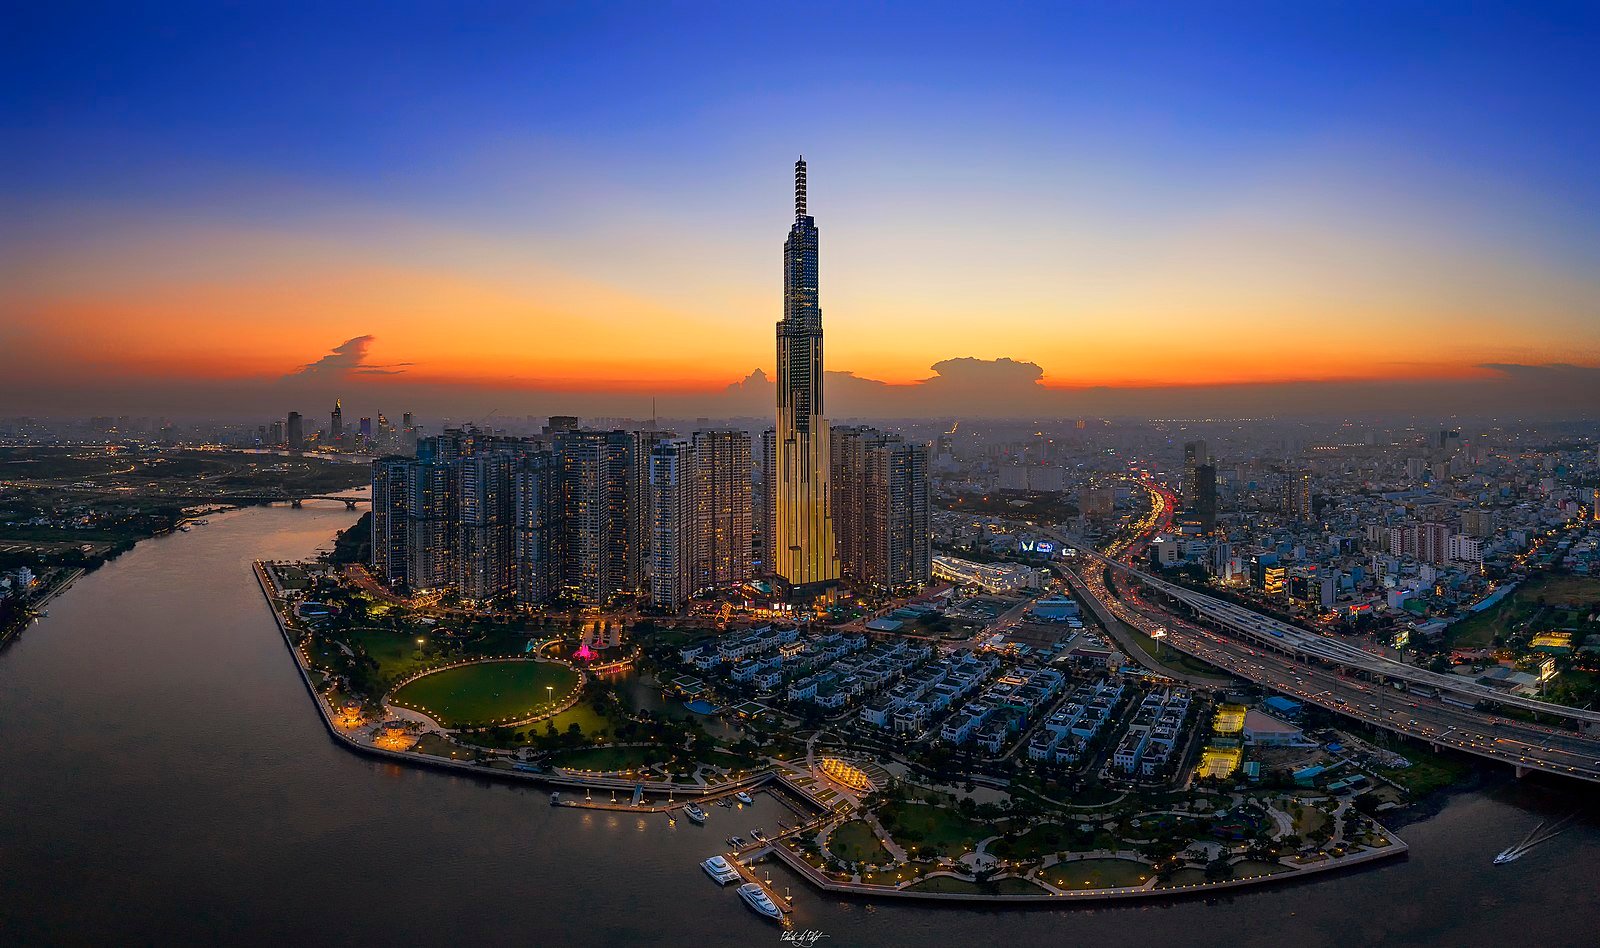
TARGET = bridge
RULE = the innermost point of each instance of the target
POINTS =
(293, 500)
(1442, 710)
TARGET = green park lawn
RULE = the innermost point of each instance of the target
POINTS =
(1007, 886)
(1097, 874)
(1050, 838)
(855, 841)
(934, 829)
(399, 654)
(486, 693)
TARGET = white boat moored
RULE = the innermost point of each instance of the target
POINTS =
(720, 869)
(759, 901)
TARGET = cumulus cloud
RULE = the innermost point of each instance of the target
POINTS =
(347, 359)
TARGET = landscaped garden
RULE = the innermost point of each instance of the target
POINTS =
(934, 830)
(855, 841)
(487, 693)
(1010, 885)
(609, 759)
(1097, 874)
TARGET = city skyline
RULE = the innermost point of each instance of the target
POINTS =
(1018, 228)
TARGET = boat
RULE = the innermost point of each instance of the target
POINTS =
(743, 797)
(759, 901)
(184, 528)
(720, 869)
(735, 840)
(555, 798)
(694, 813)
(757, 835)
(722, 803)
(1506, 855)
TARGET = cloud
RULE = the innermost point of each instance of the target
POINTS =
(347, 359)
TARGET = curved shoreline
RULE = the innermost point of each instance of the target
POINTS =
(794, 861)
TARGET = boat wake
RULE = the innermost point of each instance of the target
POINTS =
(1542, 833)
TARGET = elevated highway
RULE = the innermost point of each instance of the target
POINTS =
(1442, 710)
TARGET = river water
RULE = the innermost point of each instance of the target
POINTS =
(164, 779)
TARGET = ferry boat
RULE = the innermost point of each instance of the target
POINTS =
(759, 901)
(743, 797)
(720, 869)
(695, 813)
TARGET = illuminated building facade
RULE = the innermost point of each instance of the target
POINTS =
(803, 553)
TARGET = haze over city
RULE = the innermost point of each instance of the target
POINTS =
(1028, 211)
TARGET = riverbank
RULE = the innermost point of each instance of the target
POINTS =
(346, 738)
(638, 799)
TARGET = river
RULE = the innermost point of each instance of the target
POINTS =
(164, 779)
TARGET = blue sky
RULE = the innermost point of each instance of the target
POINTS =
(1034, 145)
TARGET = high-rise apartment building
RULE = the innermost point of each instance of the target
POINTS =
(804, 554)
(1297, 494)
(767, 512)
(484, 512)
(700, 491)
(390, 480)
(1205, 495)
(537, 528)
(599, 503)
(881, 513)
(721, 495)
(672, 534)
(1195, 454)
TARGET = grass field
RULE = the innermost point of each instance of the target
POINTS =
(1428, 771)
(1097, 874)
(487, 692)
(1568, 601)
(1050, 838)
(855, 841)
(933, 829)
(398, 654)
(1008, 886)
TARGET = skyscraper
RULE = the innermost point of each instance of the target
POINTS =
(671, 540)
(880, 506)
(1297, 494)
(720, 494)
(804, 553)
(767, 514)
(537, 528)
(1195, 454)
(390, 480)
(296, 433)
(1205, 499)
(336, 425)
(599, 503)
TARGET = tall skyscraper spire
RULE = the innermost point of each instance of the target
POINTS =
(800, 188)
(803, 550)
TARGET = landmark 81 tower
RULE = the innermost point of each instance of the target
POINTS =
(804, 553)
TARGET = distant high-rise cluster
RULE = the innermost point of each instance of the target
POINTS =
(593, 517)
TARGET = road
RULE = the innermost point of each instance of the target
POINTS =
(1316, 677)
